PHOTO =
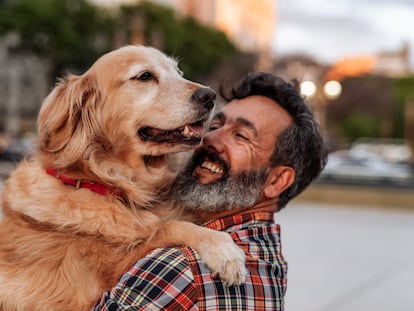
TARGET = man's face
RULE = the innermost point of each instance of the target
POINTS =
(230, 169)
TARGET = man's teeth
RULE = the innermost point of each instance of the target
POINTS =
(188, 132)
(212, 167)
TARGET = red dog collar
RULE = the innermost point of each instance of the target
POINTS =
(79, 183)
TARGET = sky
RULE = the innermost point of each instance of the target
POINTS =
(330, 30)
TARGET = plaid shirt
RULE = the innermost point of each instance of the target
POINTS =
(176, 278)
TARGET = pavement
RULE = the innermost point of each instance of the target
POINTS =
(344, 258)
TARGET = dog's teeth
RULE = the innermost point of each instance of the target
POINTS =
(186, 131)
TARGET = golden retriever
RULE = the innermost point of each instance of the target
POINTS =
(94, 196)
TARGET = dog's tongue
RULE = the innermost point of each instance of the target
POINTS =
(198, 129)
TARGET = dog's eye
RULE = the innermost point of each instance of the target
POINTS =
(145, 76)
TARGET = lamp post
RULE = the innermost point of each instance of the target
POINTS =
(320, 94)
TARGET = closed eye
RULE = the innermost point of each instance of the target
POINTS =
(213, 127)
(242, 136)
(218, 121)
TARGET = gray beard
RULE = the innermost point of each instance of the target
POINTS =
(233, 191)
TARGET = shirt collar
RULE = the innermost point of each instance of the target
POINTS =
(224, 223)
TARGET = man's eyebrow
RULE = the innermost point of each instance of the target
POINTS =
(246, 123)
(220, 116)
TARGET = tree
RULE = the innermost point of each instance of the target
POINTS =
(404, 96)
(366, 107)
(359, 125)
(199, 48)
(70, 33)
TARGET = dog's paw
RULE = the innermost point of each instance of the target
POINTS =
(224, 258)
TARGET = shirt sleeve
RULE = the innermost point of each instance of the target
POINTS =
(162, 280)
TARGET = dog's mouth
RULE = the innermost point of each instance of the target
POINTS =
(186, 134)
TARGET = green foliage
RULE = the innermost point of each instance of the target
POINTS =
(372, 106)
(404, 90)
(74, 33)
(359, 125)
(403, 95)
(71, 33)
(200, 49)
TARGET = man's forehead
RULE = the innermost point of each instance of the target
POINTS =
(257, 110)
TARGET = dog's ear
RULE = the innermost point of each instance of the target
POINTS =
(68, 114)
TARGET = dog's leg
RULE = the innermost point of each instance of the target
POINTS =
(217, 249)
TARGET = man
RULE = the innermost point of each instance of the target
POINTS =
(261, 150)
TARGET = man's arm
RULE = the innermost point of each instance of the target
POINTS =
(161, 280)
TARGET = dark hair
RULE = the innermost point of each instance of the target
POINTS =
(301, 145)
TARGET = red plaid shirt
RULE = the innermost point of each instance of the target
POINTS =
(176, 278)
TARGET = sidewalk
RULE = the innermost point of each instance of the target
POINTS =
(345, 258)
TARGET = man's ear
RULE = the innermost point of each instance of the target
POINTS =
(279, 179)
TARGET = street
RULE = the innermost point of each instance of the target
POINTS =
(344, 258)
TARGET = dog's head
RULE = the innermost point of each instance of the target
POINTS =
(132, 103)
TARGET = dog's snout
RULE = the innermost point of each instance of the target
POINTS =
(205, 97)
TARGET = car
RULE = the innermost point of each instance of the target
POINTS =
(345, 166)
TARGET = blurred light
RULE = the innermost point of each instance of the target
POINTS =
(332, 89)
(307, 88)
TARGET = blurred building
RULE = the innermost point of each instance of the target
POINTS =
(23, 85)
(249, 24)
(389, 64)
(394, 63)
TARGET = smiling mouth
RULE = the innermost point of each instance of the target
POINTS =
(212, 167)
(186, 134)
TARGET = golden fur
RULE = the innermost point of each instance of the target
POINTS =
(61, 247)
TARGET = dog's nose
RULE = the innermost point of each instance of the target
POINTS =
(205, 97)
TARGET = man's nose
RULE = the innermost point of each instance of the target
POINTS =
(214, 140)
